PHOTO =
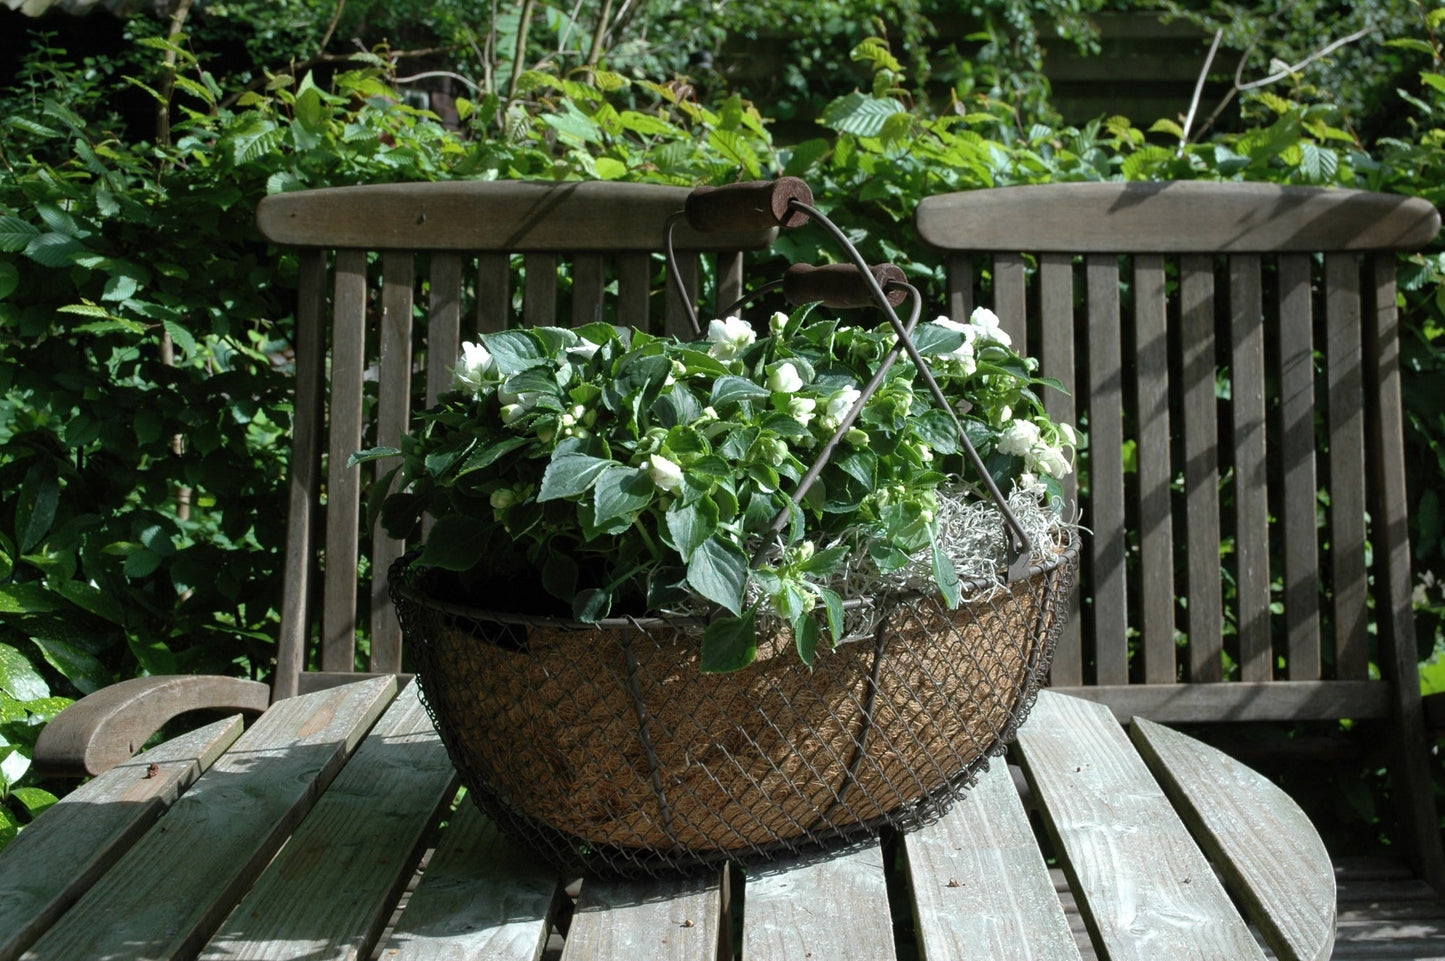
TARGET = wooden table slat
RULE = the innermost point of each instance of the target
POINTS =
(482, 896)
(171, 890)
(981, 889)
(52, 863)
(1258, 838)
(1144, 888)
(825, 906)
(359, 845)
(655, 920)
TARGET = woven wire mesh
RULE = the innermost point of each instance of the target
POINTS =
(604, 748)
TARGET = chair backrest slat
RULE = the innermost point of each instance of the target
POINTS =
(539, 294)
(1008, 293)
(343, 485)
(393, 417)
(587, 283)
(1056, 354)
(494, 292)
(1155, 523)
(1251, 472)
(1296, 440)
(1345, 411)
(1203, 621)
(1105, 402)
(960, 286)
(444, 323)
(436, 248)
(307, 431)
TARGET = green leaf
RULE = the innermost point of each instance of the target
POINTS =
(28, 598)
(18, 678)
(16, 234)
(35, 507)
(456, 543)
(515, 350)
(621, 492)
(805, 638)
(13, 767)
(646, 125)
(9, 279)
(861, 115)
(691, 525)
(609, 168)
(181, 338)
(719, 572)
(34, 800)
(732, 389)
(729, 644)
(371, 454)
(54, 250)
(571, 474)
(945, 575)
(79, 666)
(833, 605)
(592, 605)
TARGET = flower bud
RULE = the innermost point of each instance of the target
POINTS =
(664, 473)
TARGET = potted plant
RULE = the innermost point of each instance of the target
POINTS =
(688, 600)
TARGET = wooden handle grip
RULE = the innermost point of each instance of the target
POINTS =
(840, 286)
(755, 205)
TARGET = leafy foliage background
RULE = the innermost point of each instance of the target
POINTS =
(144, 324)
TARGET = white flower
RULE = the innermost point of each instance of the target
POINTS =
(784, 379)
(801, 409)
(777, 322)
(475, 371)
(664, 473)
(1019, 439)
(1030, 483)
(838, 406)
(1067, 435)
(504, 498)
(729, 337)
(985, 324)
(1049, 460)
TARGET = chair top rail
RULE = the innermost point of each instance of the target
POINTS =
(1175, 217)
(512, 216)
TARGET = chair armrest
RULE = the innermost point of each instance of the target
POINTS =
(105, 728)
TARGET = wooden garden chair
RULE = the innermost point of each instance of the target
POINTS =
(392, 278)
(1232, 351)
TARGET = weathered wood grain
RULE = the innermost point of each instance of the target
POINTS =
(303, 508)
(108, 726)
(1009, 293)
(661, 920)
(1240, 700)
(1057, 359)
(826, 906)
(1251, 479)
(498, 215)
(1144, 888)
(482, 896)
(980, 887)
(1205, 615)
(54, 861)
(1155, 467)
(1257, 837)
(393, 416)
(1345, 413)
(1177, 217)
(170, 891)
(358, 846)
(1297, 455)
(343, 484)
(1105, 517)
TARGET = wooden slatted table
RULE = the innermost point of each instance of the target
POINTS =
(301, 837)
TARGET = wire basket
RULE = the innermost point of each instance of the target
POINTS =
(606, 749)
